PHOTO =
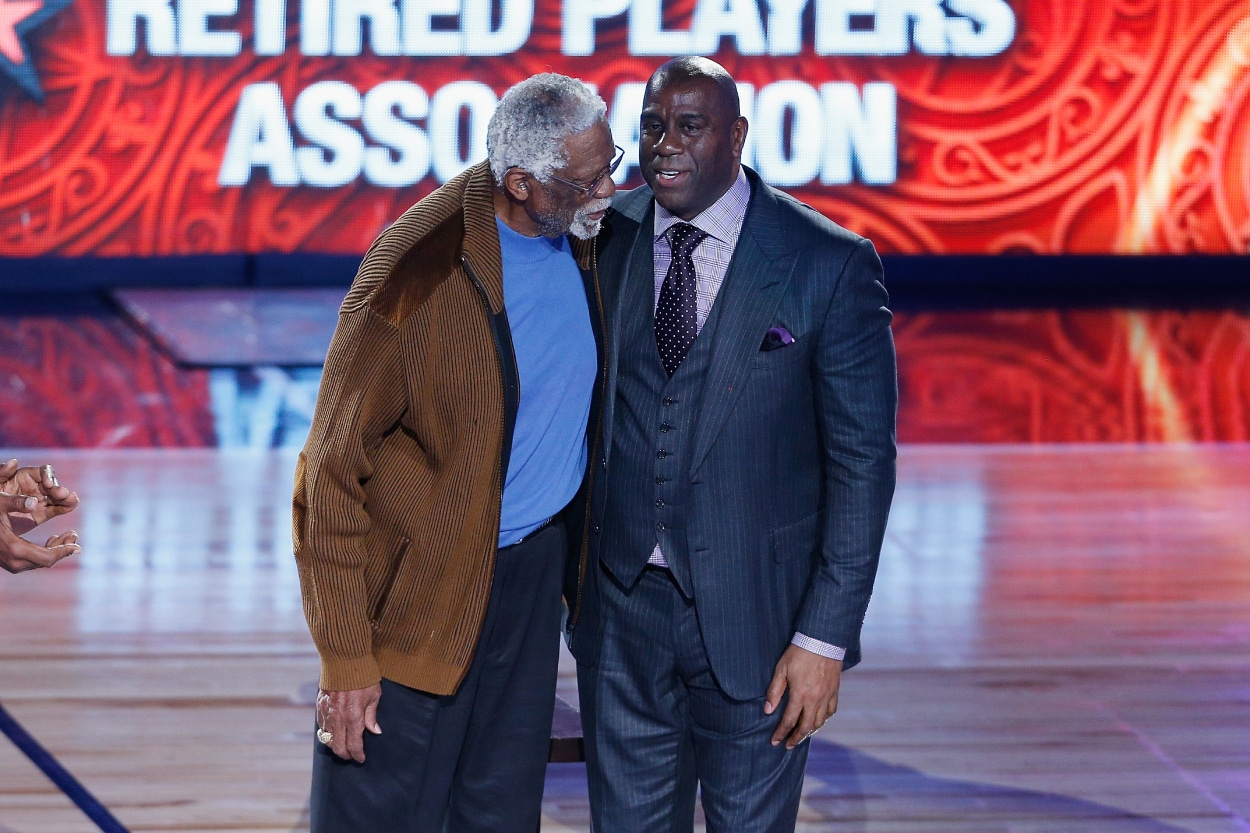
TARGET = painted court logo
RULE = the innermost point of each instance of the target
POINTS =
(17, 19)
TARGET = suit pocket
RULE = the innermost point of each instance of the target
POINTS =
(799, 538)
(299, 505)
(398, 560)
(788, 356)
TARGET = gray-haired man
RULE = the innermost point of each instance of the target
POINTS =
(451, 433)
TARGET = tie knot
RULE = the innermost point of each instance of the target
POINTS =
(684, 238)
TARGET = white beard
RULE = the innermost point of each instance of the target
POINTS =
(583, 228)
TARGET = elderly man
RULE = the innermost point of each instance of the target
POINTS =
(28, 497)
(748, 467)
(450, 435)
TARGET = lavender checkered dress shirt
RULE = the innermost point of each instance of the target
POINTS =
(722, 221)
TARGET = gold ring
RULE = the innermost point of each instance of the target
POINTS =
(325, 737)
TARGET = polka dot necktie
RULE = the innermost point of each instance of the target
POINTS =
(676, 316)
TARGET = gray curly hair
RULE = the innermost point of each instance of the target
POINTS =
(534, 118)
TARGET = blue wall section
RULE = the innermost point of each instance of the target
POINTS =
(916, 282)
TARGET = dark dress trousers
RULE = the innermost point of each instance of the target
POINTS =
(763, 467)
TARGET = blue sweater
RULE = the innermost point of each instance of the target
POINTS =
(556, 361)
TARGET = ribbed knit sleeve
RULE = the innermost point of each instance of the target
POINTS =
(362, 396)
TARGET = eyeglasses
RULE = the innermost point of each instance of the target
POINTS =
(593, 187)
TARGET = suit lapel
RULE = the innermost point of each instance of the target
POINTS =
(623, 297)
(754, 285)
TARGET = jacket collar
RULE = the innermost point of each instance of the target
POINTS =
(583, 252)
(763, 221)
(481, 237)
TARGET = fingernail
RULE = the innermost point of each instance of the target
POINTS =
(30, 504)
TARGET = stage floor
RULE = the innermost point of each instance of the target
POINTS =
(1059, 641)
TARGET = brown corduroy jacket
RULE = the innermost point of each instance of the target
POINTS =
(398, 489)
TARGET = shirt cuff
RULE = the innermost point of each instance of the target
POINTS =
(817, 647)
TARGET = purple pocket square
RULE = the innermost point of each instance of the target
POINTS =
(775, 338)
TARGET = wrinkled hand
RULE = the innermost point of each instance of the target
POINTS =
(16, 553)
(37, 482)
(813, 683)
(346, 715)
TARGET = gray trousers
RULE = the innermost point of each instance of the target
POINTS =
(475, 760)
(657, 726)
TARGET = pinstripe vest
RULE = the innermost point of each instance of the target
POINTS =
(652, 440)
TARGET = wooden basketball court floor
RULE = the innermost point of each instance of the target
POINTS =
(1059, 641)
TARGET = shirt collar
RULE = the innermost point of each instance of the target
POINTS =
(722, 219)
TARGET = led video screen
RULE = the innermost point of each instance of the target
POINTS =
(173, 127)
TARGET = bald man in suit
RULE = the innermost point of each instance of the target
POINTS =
(743, 478)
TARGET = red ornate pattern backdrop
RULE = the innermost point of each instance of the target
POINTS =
(1117, 126)
(1106, 126)
(1109, 126)
(85, 382)
(1101, 376)
(1074, 376)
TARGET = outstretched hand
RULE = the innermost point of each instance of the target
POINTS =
(812, 681)
(16, 553)
(28, 497)
(39, 482)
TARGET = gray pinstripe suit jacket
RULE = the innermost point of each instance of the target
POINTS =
(793, 467)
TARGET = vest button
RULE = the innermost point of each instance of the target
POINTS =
(659, 481)
(661, 454)
(659, 527)
(665, 427)
(668, 400)
(659, 504)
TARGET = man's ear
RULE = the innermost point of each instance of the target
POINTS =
(516, 183)
(739, 134)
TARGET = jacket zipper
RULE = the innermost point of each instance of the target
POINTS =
(594, 447)
(503, 392)
(503, 404)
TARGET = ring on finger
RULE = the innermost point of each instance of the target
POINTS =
(325, 737)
